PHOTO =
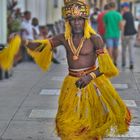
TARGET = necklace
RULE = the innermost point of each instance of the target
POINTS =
(73, 48)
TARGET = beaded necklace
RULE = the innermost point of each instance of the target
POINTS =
(73, 48)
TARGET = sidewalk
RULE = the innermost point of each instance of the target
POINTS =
(28, 101)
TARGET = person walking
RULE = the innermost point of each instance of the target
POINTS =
(26, 33)
(89, 106)
(129, 35)
(113, 25)
(100, 22)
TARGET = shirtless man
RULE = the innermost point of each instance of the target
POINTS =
(87, 55)
(89, 106)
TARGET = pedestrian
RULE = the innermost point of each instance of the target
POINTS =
(100, 22)
(93, 18)
(113, 25)
(26, 33)
(129, 35)
(35, 26)
(89, 106)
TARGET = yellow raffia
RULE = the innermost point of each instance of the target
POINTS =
(67, 30)
(42, 54)
(88, 31)
(97, 112)
(7, 55)
(106, 65)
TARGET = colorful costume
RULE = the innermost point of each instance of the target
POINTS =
(96, 110)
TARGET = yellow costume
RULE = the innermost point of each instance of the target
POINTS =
(96, 110)
(8, 53)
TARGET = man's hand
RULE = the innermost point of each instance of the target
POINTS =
(83, 81)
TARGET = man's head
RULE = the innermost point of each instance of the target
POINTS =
(77, 25)
(112, 5)
(125, 6)
(35, 21)
(106, 7)
(43, 30)
(76, 13)
(27, 15)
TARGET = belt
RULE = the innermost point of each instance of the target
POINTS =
(80, 72)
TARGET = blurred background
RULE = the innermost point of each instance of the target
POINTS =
(48, 12)
(46, 20)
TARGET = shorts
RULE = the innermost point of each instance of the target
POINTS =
(112, 42)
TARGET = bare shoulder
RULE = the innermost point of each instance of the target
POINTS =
(96, 38)
(97, 41)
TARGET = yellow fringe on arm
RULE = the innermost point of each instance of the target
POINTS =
(42, 54)
(106, 65)
(7, 55)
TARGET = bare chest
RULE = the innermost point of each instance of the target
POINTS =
(86, 49)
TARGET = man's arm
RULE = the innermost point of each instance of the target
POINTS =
(121, 22)
(30, 44)
(55, 41)
(121, 25)
(105, 63)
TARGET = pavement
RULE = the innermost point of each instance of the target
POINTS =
(28, 101)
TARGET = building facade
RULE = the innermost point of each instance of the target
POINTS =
(49, 11)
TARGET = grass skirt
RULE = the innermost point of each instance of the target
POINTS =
(94, 111)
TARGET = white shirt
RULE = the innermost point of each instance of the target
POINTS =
(27, 26)
(36, 28)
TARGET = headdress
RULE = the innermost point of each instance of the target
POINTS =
(75, 8)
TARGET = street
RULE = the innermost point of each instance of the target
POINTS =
(28, 101)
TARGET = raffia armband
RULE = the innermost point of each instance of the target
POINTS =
(93, 75)
(101, 51)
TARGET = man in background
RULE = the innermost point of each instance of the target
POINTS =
(26, 32)
(113, 25)
(128, 36)
(100, 25)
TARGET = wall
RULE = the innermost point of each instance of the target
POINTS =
(3, 21)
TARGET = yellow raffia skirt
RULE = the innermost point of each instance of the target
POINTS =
(92, 112)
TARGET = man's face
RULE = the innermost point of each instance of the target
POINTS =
(77, 24)
(28, 16)
(125, 9)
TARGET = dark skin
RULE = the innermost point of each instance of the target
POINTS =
(87, 56)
